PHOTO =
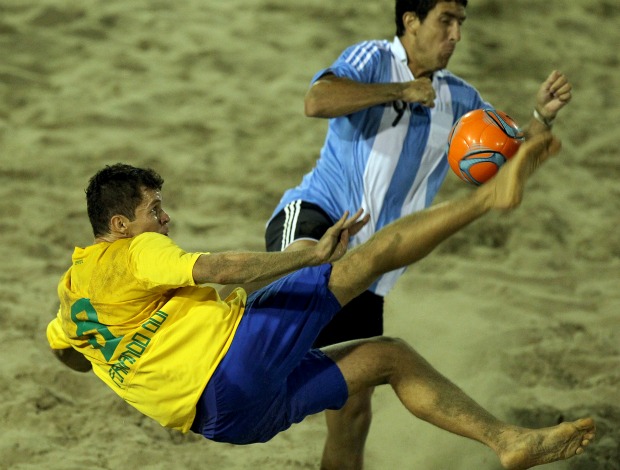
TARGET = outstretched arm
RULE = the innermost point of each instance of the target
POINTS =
(256, 268)
(333, 96)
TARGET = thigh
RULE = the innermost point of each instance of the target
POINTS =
(299, 220)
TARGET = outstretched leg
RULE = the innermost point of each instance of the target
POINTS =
(412, 237)
(430, 396)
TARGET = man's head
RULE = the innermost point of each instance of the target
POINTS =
(429, 31)
(421, 8)
(125, 201)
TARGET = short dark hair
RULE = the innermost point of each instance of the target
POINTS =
(117, 190)
(419, 7)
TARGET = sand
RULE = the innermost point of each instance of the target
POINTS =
(520, 310)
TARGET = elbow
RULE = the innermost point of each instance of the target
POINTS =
(73, 359)
(319, 100)
(312, 107)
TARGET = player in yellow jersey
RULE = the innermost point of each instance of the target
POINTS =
(239, 368)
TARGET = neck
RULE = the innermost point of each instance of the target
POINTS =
(417, 69)
(108, 238)
(420, 72)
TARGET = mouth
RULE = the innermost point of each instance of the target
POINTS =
(448, 50)
(445, 55)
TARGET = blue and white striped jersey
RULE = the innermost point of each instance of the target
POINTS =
(387, 159)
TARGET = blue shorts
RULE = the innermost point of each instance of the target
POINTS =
(270, 377)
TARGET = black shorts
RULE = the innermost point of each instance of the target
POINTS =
(360, 318)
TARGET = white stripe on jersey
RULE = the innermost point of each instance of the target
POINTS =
(291, 211)
(379, 170)
(383, 159)
(362, 57)
(441, 118)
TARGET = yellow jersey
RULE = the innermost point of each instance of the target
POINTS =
(132, 308)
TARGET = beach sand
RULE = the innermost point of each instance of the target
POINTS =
(520, 310)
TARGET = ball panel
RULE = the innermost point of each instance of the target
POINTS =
(479, 166)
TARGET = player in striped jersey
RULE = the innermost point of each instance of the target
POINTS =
(391, 106)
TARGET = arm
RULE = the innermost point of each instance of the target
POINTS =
(61, 348)
(552, 96)
(246, 267)
(332, 96)
(73, 359)
(260, 268)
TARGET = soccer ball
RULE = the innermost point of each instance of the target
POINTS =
(480, 142)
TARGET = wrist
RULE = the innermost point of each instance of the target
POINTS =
(544, 120)
(313, 257)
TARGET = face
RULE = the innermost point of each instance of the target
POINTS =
(434, 40)
(150, 216)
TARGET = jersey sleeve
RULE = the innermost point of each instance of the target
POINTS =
(358, 62)
(158, 262)
(55, 335)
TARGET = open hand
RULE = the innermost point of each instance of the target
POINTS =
(334, 243)
(553, 95)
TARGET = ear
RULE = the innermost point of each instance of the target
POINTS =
(119, 225)
(411, 22)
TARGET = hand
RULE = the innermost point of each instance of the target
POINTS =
(333, 244)
(420, 91)
(553, 95)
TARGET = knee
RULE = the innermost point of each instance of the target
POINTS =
(392, 343)
(359, 405)
(392, 350)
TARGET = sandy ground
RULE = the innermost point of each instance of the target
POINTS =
(521, 310)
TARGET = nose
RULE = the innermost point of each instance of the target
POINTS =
(455, 31)
(165, 218)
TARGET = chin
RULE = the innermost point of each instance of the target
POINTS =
(443, 64)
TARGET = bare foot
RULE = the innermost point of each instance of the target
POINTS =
(507, 186)
(526, 448)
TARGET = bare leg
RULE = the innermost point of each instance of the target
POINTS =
(347, 430)
(412, 237)
(431, 397)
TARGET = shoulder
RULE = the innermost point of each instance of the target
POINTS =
(360, 54)
(464, 95)
(150, 238)
(455, 80)
(149, 241)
